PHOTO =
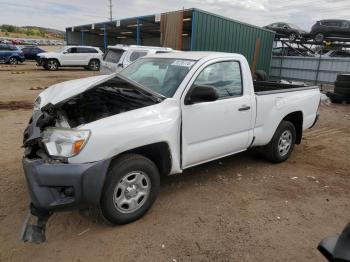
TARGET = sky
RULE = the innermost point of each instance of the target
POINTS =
(59, 14)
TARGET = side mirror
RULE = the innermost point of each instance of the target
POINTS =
(201, 93)
(65, 52)
(285, 27)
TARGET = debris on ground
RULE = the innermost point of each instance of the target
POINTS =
(38, 88)
(83, 232)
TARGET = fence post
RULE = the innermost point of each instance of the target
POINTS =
(318, 65)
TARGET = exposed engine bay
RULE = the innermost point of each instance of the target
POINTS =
(112, 97)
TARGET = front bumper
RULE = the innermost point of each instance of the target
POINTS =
(60, 186)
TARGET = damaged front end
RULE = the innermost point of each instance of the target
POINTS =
(54, 134)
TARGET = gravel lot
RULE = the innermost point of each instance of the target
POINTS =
(240, 208)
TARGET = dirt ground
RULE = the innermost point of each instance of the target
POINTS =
(240, 208)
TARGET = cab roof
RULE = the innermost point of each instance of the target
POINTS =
(195, 55)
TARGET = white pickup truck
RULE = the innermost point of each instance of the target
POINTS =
(106, 140)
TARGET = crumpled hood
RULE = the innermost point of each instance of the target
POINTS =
(62, 91)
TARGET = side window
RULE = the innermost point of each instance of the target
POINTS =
(91, 51)
(84, 50)
(225, 77)
(136, 55)
(72, 50)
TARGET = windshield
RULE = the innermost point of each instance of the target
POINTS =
(294, 26)
(161, 75)
(113, 55)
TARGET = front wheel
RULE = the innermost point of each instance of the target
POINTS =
(130, 189)
(282, 143)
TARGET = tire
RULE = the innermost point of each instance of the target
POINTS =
(260, 75)
(319, 38)
(343, 77)
(94, 65)
(121, 184)
(285, 133)
(51, 64)
(292, 37)
(342, 90)
(13, 61)
(337, 98)
(343, 84)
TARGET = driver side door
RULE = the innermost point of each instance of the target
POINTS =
(71, 57)
(214, 129)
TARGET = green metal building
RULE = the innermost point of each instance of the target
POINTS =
(200, 31)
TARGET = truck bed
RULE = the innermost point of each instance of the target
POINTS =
(270, 87)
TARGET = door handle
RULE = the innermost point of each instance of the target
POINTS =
(244, 108)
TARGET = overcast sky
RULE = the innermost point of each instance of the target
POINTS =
(60, 14)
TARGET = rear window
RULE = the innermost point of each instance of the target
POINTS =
(113, 55)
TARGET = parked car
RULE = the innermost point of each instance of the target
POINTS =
(11, 54)
(119, 56)
(106, 140)
(30, 52)
(293, 32)
(6, 41)
(331, 28)
(88, 57)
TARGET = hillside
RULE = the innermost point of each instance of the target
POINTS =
(30, 32)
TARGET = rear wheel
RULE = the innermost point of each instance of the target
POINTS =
(94, 65)
(319, 38)
(130, 189)
(282, 143)
(13, 61)
(51, 64)
(292, 37)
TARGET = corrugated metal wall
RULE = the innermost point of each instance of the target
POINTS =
(211, 32)
(305, 68)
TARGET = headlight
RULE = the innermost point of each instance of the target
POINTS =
(64, 142)
(37, 103)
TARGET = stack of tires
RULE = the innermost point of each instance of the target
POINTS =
(341, 89)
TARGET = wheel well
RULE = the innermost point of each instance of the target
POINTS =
(296, 118)
(159, 153)
(92, 59)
